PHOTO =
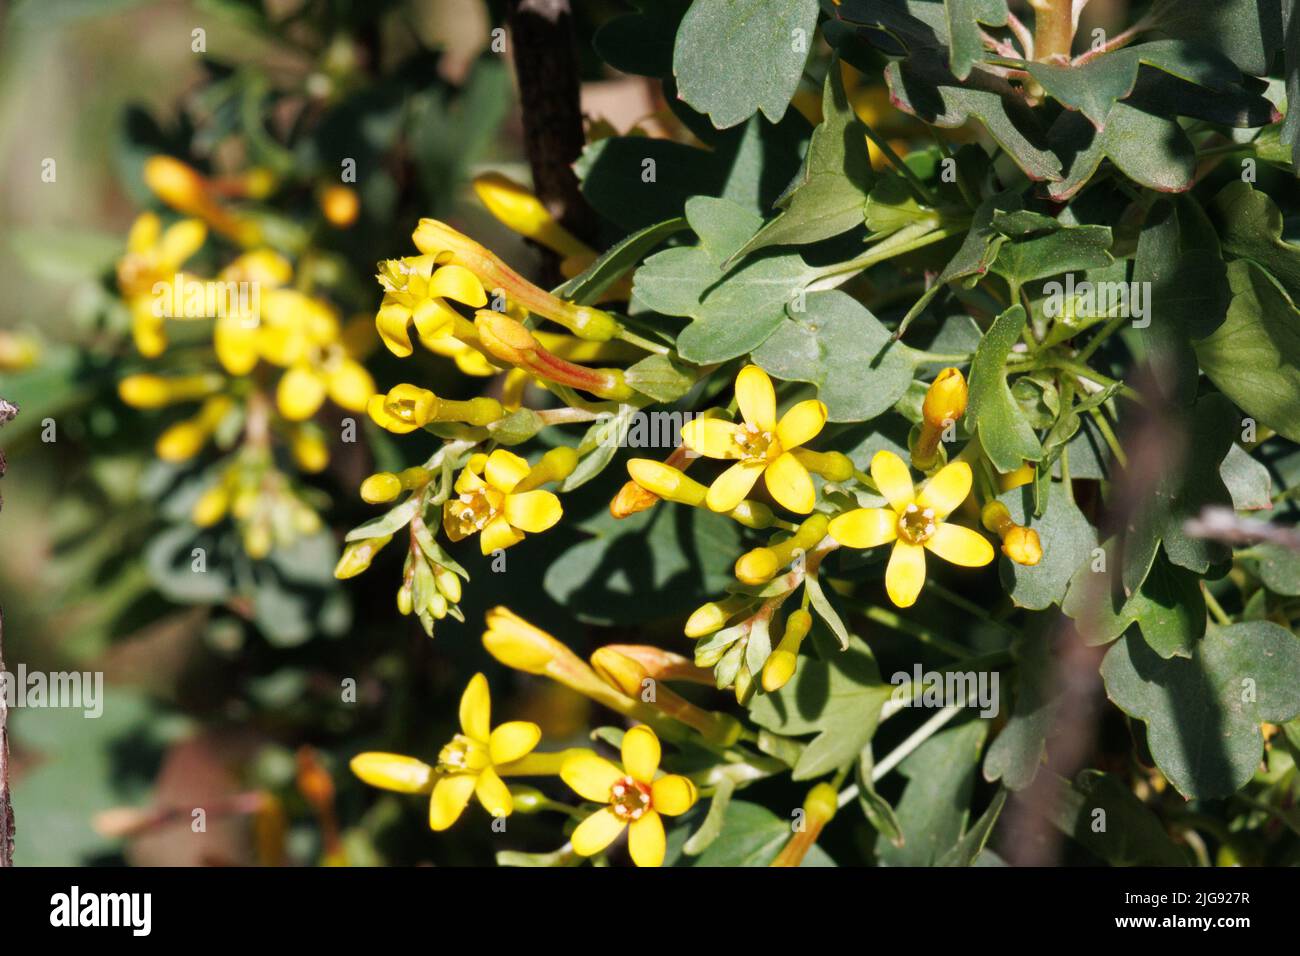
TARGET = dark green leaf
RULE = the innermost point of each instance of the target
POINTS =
(1004, 431)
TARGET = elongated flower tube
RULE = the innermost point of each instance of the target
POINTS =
(781, 663)
(157, 391)
(761, 564)
(945, 403)
(407, 407)
(518, 209)
(630, 676)
(1020, 544)
(819, 808)
(507, 339)
(188, 191)
(671, 484)
(437, 239)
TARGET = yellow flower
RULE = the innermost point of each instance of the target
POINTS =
(494, 496)
(760, 445)
(326, 369)
(635, 799)
(914, 523)
(415, 290)
(340, 205)
(467, 766)
(154, 255)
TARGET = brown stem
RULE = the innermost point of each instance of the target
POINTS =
(546, 65)
(7, 413)
(1053, 28)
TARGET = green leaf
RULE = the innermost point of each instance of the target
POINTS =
(1250, 227)
(837, 345)
(936, 801)
(1016, 754)
(1248, 480)
(642, 42)
(838, 699)
(733, 312)
(390, 522)
(1279, 569)
(1178, 255)
(1004, 430)
(618, 259)
(1093, 87)
(1150, 149)
(1066, 249)
(1067, 539)
(1125, 833)
(875, 807)
(967, 43)
(1254, 356)
(601, 443)
(1248, 32)
(1203, 715)
(1208, 430)
(1168, 607)
(751, 835)
(827, 197)
(923, 86)
(967, 850)
(60, 255)
(733, 57)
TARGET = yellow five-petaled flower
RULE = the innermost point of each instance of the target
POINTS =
(634, 798)
(466, 766)
(914, 522)
(760, 445)
(494, 497)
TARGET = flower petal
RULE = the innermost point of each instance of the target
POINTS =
(433, 319)
(493, 793)
(730, 488)
(590, 776)
(891, 476)
(711, 437)
(504, 470)
(235, 342)
(673, 794)
(476, 709)
(350, 386)
(457, 282)
(533, 511)
(865, 527)
(181, 240)
(391, 322)
(946, 490)
(596, 832)
(498, 535)
(645, 840)
(756, 397)
(450, 794)
(961, 546)
(790, 484)
(300, 394)
(512, 740)
(393, 772)
(641, 753)
(801, 423)
(905, 575)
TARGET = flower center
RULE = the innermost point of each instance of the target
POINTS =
(461, 754)
(916, 526)
(754, 443)
(474, 509)
(629, 799)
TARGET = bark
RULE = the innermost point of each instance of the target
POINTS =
(7, 412)
(546, 66)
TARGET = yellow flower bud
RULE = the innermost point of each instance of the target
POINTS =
(631, 499)
(357, 556)
(831, 465)
(181, 441)
(1022, 546)
(258, 541)
(155, 391)
(309, 450)
(178, 185)
(380, 488)
(521, 211)
(405, 600)
(666, 482)
(518, 644)
(781, 664)
(713, 616)
(757, 566)
(1015, 479)
(448, 583)
(211, 506)
(18, 351)
(619, 671)
(340, 205)
(821, 804)
(752, 514)
(945, 400)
